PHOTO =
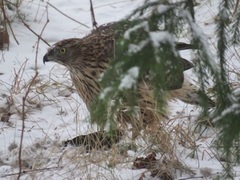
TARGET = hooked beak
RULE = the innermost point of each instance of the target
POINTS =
(45, 59)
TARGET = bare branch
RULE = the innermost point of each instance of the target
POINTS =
(39, 37)
(27, 26)
(33, 170)
(29, 88)
(94, 22)
(8, 22)
(23, 123)
(67, 15)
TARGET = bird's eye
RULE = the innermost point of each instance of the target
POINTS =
(62, 50)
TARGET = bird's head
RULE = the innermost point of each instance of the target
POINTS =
(63, 52)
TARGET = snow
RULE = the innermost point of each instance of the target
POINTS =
(160, 37)
(199, 34)
(162, 9)
(129, 79)
(143, 25)
(134, 48)
(54, 111)
(105, 92)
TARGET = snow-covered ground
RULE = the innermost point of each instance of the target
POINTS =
(53, 110)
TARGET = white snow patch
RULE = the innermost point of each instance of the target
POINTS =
(5, 169)
(143, 25)
(130, 79)
(105, 92)
(198, 33)
(161, 37)
(162, 8)
(134, 48)
(55, 114)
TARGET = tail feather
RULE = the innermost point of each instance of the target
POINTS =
(190, 94)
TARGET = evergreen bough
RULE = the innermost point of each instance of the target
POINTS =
(148, 45)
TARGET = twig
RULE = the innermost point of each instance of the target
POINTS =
(94, 22)
(30, 171)
(8, 22)
(67, 15)
(215, 155)
(27, 26)
(195, 177)
(28, 90)
(236, 7)
(18, 76)
(23, 124)
(38, 41)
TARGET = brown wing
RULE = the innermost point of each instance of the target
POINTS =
(115, 30)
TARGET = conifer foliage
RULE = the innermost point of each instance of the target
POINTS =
(147, 49)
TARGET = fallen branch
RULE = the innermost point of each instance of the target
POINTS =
(31, 171)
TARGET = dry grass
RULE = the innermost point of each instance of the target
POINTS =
(164, 140)
(47, 157)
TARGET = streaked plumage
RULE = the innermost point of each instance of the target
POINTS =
(87, 58)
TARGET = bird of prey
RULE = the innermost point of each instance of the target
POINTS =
(88, 57)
